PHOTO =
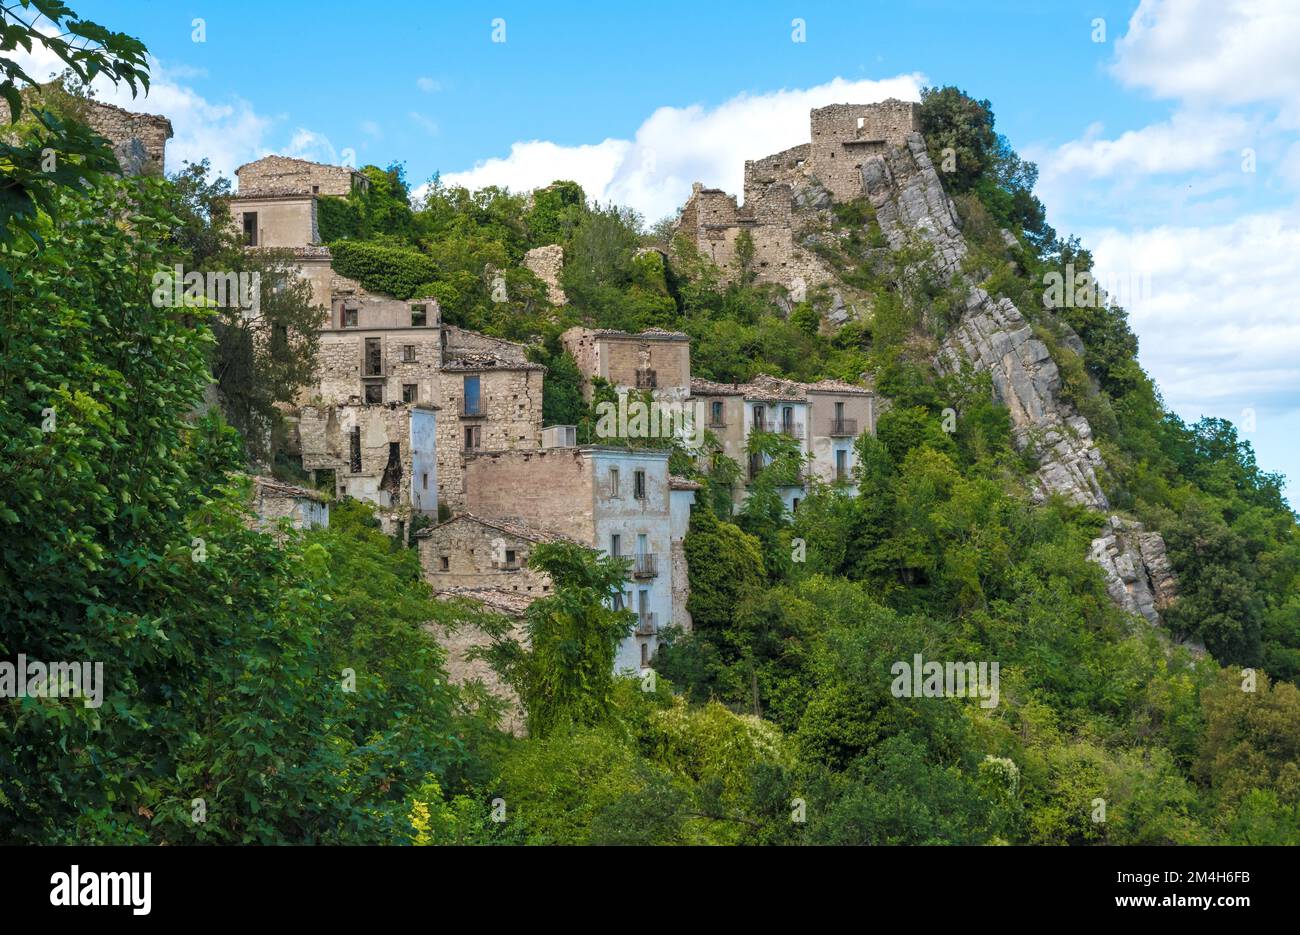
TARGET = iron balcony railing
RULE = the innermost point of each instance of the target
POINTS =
(645, 624)
(844, 427)
(645, 565)
(781, 427)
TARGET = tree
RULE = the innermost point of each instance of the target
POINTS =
(28, 185)
(565, 675)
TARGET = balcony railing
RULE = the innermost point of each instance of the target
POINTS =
(470, 412)
(645, 565)
(790, 429)
(844, 427)
(645, 624)
(646, 380)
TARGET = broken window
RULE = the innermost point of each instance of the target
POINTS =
(373, 362)
(408, 353)
(354, 442)
(615, 544)
(424, 481)
(279, 341)
(349, 318)
(510, 558)
(444, 563)
(639, 485)
(374, 393)
(392, 479)
(613, 482)
(471, 437)
(250, 228)
(410, 392)
(419, 316)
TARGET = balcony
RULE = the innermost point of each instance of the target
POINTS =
(646, 625)
(645, 565)
(844, 428)
(789, 429)
(474, 411)
(646, 380)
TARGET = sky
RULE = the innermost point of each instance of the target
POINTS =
(1167, 132)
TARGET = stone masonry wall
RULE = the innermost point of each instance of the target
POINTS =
(474, 553)
(550, 488)
(282, 175)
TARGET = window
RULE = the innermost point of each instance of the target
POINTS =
(641, 544)
(510, 557)
(374, 393)
(639, 485)
(613, 482)
(424, 481)
(787, 420)
(645, 654)
(618, 600)
(279, 340)
(315, 189)
(862, 122)
(250, 228)
(794, 505)
(419, 316)
(615, 544)
(408, 353)
(444, 563)
(841, 464)
(471, 437)
(410, 392)
(715, 412)
(471, 401)
(373, 361)
(839, 412)
(759, 413)
(348, 319)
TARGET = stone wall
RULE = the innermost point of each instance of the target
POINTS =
(460, 639)
(120, 126)
(549, 488)
(510, 407)
(325, 436)
(546, 263)
(476, 555)
(282, 221)
(282, 175)
(618, 357)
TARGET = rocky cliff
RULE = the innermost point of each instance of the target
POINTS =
(994, 336)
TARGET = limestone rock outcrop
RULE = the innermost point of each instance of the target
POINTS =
(994, 336)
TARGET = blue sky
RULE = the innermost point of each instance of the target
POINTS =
(1142, 138)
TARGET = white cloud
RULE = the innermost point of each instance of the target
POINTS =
(1186, 142)
(427, 85)
(676, 146)
(1220, 329)
(1231, 51)
(429, 126)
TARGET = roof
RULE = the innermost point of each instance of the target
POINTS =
(305, 162)
(510, 603)
(676, 482)
(269, 486)
(769, 388)
(488, 362)
(516, 528)
(649, 334)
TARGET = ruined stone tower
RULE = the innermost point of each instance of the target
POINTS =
(778, 188)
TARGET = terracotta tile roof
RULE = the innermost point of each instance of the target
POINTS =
(770, 388)
(510, 603)
(275, 488)
(519, 530)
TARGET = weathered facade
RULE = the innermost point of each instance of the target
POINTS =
(825, 418)
(139, 140)
(461, 639)
(469, 551)
(654, 360)
(275, 500)
(383, 454)
(613, 499)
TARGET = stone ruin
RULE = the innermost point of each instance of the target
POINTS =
(782, 190)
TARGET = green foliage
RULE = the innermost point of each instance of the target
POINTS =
(397, 271)
(566, 674)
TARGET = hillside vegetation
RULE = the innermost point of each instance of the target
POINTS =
(284, 688)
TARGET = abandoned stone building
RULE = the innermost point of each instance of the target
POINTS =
(383, 454)
(782, 190)
(274, 500)
(616, 500)
(469, 551)
(139, 140)
(654, 360)
(825, 418)
(459, 639)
